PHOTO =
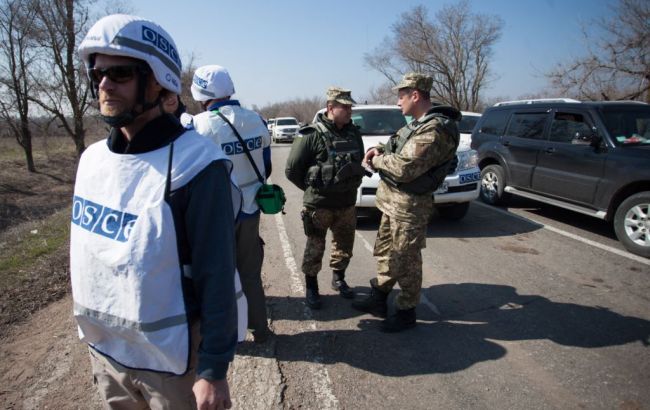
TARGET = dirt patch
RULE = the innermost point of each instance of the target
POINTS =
(43, 365)
(47, 280)
(27, 196)
(519, 249)
(33, 233)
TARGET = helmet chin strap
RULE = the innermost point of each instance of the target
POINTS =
(120, 120)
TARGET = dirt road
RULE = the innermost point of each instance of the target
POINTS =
(43, 365)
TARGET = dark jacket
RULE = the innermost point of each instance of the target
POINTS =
(309, 149)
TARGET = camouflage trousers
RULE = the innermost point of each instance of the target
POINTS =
(342, 223)
(398, 249)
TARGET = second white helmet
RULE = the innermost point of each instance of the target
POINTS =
(211, 82)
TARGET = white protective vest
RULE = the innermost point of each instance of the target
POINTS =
(253, 131)
(125, 271)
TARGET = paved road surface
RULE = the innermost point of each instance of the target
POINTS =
(515, 314)
(551, 314)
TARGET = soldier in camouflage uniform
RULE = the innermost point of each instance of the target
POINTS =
(325, 162)
(411, 166)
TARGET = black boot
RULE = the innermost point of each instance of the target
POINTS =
(312, 297)
(400, 320)
(375, 303)
(339, 285)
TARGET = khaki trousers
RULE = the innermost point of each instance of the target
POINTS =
(398, 249)
(130, 389)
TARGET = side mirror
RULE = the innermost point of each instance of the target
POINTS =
(595, 138)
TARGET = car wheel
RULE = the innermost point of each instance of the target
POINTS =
(632, 224)
(453, 212)
(493, 181)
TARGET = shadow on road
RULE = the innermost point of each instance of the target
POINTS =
(577, 220)
(478, 223)
(472, 315)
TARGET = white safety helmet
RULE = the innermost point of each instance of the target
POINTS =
(135, 37)
(211, 82)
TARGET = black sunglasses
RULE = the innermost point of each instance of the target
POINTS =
(116, 73)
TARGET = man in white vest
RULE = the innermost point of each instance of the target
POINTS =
(250, 152)
(152, 255)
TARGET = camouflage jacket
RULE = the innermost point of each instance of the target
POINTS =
(309, 149)
(432, 144)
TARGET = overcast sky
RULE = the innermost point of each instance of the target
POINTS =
(284, 49)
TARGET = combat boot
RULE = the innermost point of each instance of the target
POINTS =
(312, 297)
(375, 303)
(400, 320)
(339, 284)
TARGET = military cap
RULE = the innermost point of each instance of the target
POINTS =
(418, 81)
(340, 95)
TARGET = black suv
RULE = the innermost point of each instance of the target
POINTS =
(589, 157)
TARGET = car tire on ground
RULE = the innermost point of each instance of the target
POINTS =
(632, 224)
(493, 181)
(453, 212)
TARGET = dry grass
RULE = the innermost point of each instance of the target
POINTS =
(34, 225)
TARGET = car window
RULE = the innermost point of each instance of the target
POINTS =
(378, 122)
(288, 121)
(527, 125)
(571, 128)
(494, 122)
(628, 125)
(467, 123)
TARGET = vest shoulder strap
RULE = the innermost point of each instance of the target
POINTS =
(407, 132)
(326, 135)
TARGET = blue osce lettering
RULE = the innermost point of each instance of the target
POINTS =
(235, 147)
(102, 220)
(465, 178)
(200, 81)
(161, 43)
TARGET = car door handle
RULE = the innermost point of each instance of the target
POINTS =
(550, 150)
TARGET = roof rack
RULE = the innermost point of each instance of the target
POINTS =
(620, 101)
(538, 101)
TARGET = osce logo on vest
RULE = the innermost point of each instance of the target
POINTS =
(102, 220)
(235, 147)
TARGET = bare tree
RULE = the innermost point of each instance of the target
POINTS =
(16, 57)
(62, 88)
(454, 48)
(615, 67)
(192, 107)
(303, 109)
(382, 94)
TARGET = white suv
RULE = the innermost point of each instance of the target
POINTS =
(378, 122)
(284, 129)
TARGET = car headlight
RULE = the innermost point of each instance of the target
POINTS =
(467, 159)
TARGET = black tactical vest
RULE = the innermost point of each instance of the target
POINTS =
(430, 180)
(342, 171)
